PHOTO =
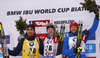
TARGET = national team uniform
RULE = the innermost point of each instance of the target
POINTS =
(70, 42)
(50, 42)
(30, 47)
(50, 46)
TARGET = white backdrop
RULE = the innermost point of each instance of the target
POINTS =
(10, 10)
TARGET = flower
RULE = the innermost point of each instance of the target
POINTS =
(21, 24)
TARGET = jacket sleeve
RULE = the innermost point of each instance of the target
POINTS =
(66, 51)
(41, 47)
(92, 29)
(18, 49)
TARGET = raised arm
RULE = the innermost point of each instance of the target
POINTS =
(94, 26)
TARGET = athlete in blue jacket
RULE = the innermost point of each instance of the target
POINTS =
(70, 40)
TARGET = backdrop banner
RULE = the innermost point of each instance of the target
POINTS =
(42, 12)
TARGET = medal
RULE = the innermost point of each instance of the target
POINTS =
(47, 53)
(31, 56)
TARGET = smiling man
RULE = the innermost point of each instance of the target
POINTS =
(30, 46)
(69, 43)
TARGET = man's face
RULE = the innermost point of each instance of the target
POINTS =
(74, 29)
(30, 31)
(50, 30)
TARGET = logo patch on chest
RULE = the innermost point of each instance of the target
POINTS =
(74, 39)
(31, 43)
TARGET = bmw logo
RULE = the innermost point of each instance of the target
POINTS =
(74, 39)
(31, 43)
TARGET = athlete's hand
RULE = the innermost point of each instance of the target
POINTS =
(56, 33)
(96, 13)
(1, 49)
(78, 50)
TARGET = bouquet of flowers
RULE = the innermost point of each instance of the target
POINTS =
(21, 24)
(90, 5)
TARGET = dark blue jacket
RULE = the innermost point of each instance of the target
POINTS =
(18, 49)
(66, 51)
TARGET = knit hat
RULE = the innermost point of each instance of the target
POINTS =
(50, 25)
(73, 24)
(31, 25)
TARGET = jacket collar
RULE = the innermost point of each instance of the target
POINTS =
(72, 34)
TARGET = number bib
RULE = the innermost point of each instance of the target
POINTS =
(48, 48)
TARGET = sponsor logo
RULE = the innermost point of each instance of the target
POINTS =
(20, 52)
(42, 36)
(90, 48)
(64, 22)
(7, 37)
(41, 23)
(31, 43)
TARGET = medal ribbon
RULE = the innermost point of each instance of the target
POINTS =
(29, 46)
